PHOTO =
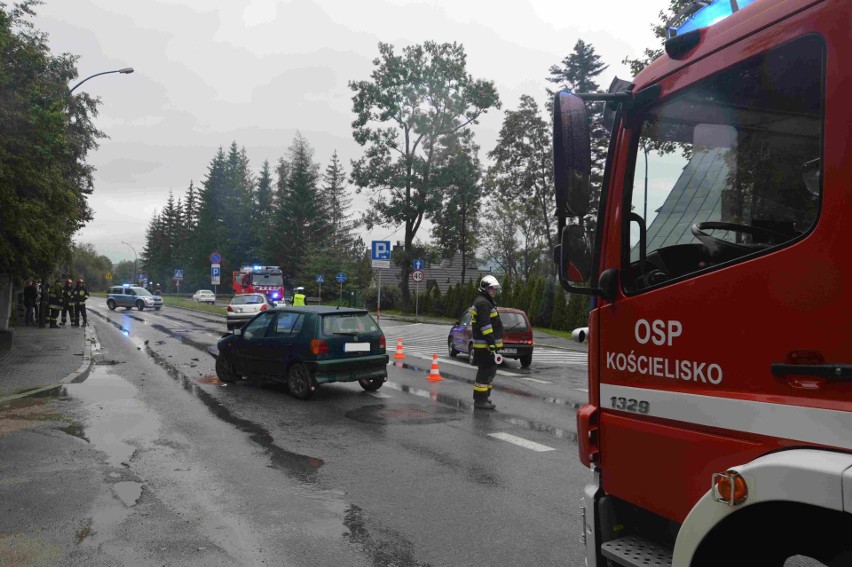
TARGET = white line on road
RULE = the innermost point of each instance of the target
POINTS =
(378, 395)
(537, 380)
(521, 442)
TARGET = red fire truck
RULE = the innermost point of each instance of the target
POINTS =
(268, 280)
(719, 423)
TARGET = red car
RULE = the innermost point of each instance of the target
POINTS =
(517, 336)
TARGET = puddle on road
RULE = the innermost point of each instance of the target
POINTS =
(455, 402)
(128, 492)
(116, 415)
(497, 387)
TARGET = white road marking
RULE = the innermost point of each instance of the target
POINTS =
(521, 442)
(537, 380)
(378, 395)
(582, 389)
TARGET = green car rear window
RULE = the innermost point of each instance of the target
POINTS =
(348, 323)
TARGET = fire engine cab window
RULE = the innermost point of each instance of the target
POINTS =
(729, 168)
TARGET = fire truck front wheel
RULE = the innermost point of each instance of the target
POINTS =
(768, 534)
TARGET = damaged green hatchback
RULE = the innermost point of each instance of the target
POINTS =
(304, 347)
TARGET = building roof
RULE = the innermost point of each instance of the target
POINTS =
(696, 194)
(444, 275)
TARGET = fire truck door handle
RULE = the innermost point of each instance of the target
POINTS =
(821, 370)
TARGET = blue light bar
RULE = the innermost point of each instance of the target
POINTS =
(713, 13)
(258, 268)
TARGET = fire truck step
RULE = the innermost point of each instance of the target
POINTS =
(634, 551)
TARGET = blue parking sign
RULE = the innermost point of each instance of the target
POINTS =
(381, 250)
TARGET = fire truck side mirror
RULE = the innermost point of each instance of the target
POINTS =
(574, 255)
(572, 155)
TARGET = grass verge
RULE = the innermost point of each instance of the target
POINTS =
(192, 305)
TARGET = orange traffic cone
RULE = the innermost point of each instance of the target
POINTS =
(434, 375)
(399, 355)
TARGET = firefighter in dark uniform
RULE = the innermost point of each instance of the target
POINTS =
(67, 302)
(30, 303)
(81, 294)
(54, 302)
(487, 340)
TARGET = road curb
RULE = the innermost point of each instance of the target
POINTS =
(80, 374)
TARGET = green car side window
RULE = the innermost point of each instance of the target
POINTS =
(288, 324)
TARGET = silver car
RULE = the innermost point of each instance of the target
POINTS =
(129, 296)
(244, 307)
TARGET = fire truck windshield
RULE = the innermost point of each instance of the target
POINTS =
(724, 169)
(273, 280)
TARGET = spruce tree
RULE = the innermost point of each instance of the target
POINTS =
(559, 317)
(578, 73)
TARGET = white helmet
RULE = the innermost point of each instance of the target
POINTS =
(300, 289)
(488, 281)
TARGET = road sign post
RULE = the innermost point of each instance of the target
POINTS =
(418, 276)
(320, 280)
(178, 278)
(341, 277)
(381, 256)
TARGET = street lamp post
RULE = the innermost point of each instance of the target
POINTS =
(124, 71)
(135, 257)
(42, 312)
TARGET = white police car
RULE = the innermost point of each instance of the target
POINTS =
(129, 296)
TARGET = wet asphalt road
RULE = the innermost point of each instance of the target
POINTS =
(408, 475)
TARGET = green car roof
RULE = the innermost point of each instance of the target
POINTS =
(320, 309)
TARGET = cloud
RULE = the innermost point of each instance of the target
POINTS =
(209, 72)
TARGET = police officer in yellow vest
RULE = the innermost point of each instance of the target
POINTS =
(299, 296)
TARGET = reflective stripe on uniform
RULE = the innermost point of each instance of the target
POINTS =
(481, 387)
(494, 313)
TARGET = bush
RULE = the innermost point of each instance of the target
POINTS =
(578, 311)
(559, 317)
(391, 297)
(436, 302)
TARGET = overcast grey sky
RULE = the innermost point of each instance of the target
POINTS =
(209, 72)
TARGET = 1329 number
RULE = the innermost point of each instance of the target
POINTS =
(629, 404)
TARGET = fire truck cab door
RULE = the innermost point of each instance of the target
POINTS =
(733, 257)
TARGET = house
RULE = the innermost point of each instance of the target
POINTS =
(444, 275)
